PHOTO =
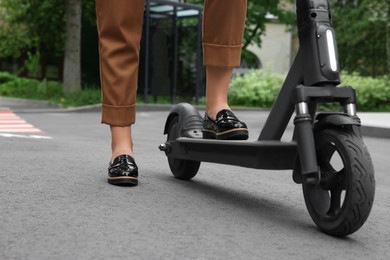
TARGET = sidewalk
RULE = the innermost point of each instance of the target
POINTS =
(374, 124)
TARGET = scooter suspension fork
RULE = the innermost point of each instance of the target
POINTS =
(305, 139)
(350, 109)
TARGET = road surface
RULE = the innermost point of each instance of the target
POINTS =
(55, 202)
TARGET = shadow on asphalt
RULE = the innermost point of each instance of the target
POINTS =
(265, 209)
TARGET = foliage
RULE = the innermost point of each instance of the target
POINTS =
(32, 63)
(12, 35)
(39, 25)
(255, 89)
(259, 89)
(88, 96)
(89, 13)
(6, 77)
(361, 28)
(373, 94)
(13, 86)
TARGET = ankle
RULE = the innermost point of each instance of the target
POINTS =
(117, 152)
(121, 142)
(213, 111)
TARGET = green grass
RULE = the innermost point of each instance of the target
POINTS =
(85, 97)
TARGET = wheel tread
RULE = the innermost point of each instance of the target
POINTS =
(362, 184)
(181, 169)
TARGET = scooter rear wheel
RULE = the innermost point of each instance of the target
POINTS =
(342, 201)
(181, 169)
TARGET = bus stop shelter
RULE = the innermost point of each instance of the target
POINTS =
(161, 59)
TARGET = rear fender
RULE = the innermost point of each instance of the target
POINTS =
(190, 122)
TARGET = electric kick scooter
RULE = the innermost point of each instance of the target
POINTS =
(339, 199)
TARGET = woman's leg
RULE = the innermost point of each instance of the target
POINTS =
(217, 86)
(223, 30)
(120, 29)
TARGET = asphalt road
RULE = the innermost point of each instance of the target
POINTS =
(55, 202)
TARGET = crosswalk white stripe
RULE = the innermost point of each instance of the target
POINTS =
(17, 126)
(32, 130)
(12, 122)
(25, 136)
(8, 115)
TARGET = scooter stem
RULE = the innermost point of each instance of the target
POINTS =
(317, 42)
(316, 63)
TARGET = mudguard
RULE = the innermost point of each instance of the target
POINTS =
(324, 120)
(190, 122)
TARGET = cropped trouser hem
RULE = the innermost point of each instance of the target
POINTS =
(120, 30)
(118, 115)
(224, 56)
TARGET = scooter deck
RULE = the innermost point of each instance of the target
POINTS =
(272, 155)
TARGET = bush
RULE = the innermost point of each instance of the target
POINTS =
(88, 96)
(259, 89)
(373, 94)
(13, 86)
(5, 77)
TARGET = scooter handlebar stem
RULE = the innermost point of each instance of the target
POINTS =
(306, 9)
(317, 42)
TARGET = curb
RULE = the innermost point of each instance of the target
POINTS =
(374, 131)
(32, 103)
(90, 108)
(38, 106)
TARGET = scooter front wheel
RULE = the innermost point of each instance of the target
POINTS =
(341, 202)
(181, 169)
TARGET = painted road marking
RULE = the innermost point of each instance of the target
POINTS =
(17, 125)
(20, 130)
(11, 123)
(25, 136)
(5, 121)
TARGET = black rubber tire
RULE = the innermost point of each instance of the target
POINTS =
(181, 169)
(333, 213)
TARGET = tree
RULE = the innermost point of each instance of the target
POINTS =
(45, 28)
(12, 35)
(35, 26)
(72, 61)
(362, 29)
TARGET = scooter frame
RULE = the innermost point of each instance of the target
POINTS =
(312, 79)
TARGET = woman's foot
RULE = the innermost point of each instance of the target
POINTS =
(226, 126)
(123, 171)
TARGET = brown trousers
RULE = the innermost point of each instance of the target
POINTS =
(120, 28)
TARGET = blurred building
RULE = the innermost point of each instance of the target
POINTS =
(276, 51)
